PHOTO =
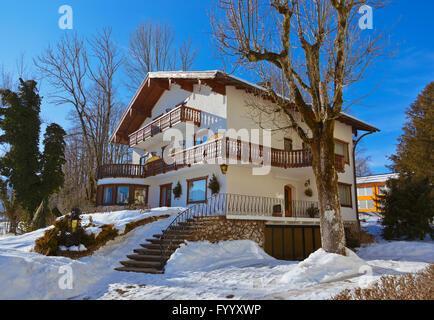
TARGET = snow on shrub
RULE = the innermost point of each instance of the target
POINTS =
(97, 229)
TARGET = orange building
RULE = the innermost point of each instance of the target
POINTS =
(368, 190)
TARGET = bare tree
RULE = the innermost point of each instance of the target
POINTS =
(83, 74)
(187, 54)
(153, 48)
(319, 49)
(362, 163)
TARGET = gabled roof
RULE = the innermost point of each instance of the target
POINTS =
(377, 178)
(156, 83)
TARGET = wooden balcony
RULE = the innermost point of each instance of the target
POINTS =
(168, 120)
(223, 148)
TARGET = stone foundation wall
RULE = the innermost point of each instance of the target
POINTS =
(222, 229)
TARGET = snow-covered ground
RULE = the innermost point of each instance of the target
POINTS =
(237, 269)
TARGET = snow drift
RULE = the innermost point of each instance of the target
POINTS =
(205, 256)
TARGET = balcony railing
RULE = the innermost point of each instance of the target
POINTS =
(231, 150)
(257, 206)
(168, 120)
(223, 148)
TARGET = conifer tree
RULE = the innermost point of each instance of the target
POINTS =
(415, 151)
(20, 124)
(33, 176)
(408, 205)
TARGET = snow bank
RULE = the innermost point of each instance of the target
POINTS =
(205, 256)
(322, 267)
(416, 251)
(25, 242)
(317, 268)
(27, 275)
(121, 218)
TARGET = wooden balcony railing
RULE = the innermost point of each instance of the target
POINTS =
(168, 120)
(223, 148)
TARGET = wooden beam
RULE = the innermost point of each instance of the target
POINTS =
(216, 87)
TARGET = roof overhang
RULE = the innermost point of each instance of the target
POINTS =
(156, 83)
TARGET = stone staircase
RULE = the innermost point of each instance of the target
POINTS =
(148, 258)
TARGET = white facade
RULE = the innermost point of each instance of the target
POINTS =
(220, 113)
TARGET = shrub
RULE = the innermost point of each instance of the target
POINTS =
(48, 244)
(108, 233)
(407, 287)
(312, 212)
(214, 185)
(408, 209)
(53, 238)
(177, 191)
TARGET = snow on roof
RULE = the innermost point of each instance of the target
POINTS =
(377, 178)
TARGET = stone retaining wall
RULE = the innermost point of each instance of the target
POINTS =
(222, 229)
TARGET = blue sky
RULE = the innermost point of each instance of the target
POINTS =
(28, 26)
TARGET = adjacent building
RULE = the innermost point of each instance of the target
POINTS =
(369, 189)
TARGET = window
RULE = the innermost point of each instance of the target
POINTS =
(345, 195)
(108, 195)
(141, 195)
(123, 195)
(366, 204)
(341, 148)
(197, 190)
(288, 145)
(145, 159)
(365, 191)
(201, 137)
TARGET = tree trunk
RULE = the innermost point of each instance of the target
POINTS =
(332, 228)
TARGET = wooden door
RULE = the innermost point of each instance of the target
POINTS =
(288, 202)
(166, 195)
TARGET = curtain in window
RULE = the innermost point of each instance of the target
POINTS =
(341, 149)
(345, 195)
(108, 195)
(123, 195)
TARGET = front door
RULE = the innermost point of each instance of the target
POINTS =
(166, 195)
(288, 202)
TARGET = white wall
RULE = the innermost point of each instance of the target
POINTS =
(182, 176)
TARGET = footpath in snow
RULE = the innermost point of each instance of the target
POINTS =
(200, 270)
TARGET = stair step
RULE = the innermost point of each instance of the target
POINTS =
(140, 270)
(142, 257)
(157, 235)
(150, 246)
(159, 241)
(141, 264)
(148, 252)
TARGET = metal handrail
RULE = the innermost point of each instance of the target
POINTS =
(227, 204)
(212, 206)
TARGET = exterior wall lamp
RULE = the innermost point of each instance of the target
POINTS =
(224, 168)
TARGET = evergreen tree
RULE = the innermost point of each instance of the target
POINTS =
(33, 176)
(415, 151)
(20, 123)
(53, 159)
(408, 205)
(409, 211)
